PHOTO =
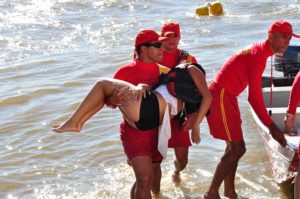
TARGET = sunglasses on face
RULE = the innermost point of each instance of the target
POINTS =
(154, 44)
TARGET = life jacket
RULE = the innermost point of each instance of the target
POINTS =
(184, 57)
(180, 83)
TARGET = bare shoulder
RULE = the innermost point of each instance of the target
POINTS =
(194, 70)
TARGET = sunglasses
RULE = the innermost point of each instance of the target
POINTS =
(154, 44)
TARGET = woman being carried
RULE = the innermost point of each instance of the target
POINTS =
(184, 86)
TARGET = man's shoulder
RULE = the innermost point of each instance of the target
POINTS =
(163, 69)
(125, 70)
(255, 48)
(128, 66)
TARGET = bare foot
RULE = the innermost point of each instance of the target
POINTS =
(157, 195)
(176, 178)
(66, 127)
(232, 195)
(211, 196)
(177, 168)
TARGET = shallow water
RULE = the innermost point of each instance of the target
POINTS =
(51, 53)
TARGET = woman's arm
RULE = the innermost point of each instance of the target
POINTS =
(199, 79)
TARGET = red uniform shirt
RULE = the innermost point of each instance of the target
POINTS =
(295, 95)
(172, 59)
(246, 69)
(138, 72)
(137, 143)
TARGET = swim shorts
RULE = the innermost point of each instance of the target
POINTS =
(149, 112)
(224, 120)
(137, 143)
(179, 138)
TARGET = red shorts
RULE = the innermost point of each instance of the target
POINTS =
(224, 119)
(140, 143)
(179, 138)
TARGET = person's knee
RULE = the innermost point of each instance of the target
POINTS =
(99, 83)
(229, 156)
(241, 149)
(100, 80)
(144, 181)
(182, 162)
(235, 152)
(238, 148)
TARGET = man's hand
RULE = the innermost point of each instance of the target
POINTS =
(125, 95)
(289, 122)
(121, 97)
(277, 134)
(142, 90)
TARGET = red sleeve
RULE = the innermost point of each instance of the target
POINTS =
(128, 73)
(123, 74)
(255, 97)
(295, 95)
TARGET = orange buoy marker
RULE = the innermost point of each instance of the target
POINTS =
(202, 11)
(216, 8)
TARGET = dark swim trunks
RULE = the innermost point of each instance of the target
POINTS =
(149, 112)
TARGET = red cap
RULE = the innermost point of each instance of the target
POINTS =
(170, 28)
(148, 36)
(282, 27)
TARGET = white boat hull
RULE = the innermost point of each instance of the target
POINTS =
(284, 160)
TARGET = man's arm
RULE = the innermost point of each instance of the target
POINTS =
(119, 97)
(255, 98)
(258, 106)
(125, 96)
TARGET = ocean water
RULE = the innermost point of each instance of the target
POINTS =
(52, 52)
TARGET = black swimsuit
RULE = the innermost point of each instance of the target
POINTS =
(181, 85)
(149, 112)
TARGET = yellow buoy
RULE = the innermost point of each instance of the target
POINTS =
(216, 8)
(202, 11)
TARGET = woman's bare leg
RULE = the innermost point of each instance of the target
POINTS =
(92, 103)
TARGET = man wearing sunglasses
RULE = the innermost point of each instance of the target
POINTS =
(141, 146)
(172, 56)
